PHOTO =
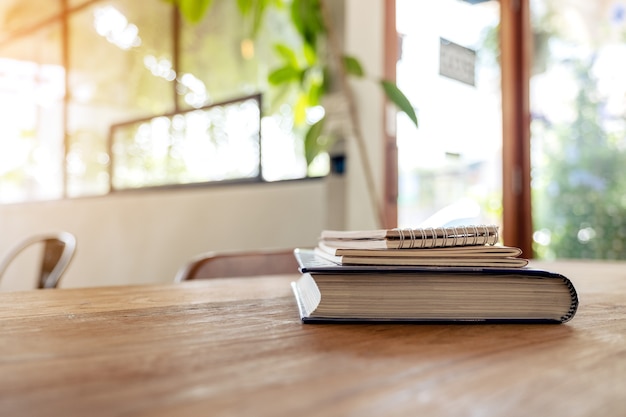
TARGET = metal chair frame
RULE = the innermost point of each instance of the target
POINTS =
(58, 251)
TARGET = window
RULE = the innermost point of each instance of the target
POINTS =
(450, 168)
(564, 130)
(32, 89)
(74, 78)
(116, 50)
(578, 129)
(214, 143)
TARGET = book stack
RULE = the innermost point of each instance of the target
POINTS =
(426, 275)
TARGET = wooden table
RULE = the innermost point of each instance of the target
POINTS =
(236, 347)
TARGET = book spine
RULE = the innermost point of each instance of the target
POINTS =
(574, 303)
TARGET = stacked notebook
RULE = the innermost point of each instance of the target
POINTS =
(470, 246)
(426, 275)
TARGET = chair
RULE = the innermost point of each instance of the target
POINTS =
(238, 264)
(58, 250)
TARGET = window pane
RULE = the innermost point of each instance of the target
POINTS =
(120, 69)
(32, 83)
(216, 143)
(450, 167)
(220, 60)
(578, 129)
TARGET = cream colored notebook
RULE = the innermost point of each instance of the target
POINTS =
(481, 256)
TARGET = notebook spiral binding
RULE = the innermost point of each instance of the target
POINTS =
(431, 237)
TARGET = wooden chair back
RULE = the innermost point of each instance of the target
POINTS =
(58, 251)
(239, 264)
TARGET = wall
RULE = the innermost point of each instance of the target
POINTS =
(144, 237)
(364, 39)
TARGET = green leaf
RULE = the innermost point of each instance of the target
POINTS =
(303, 77)
(353, 66)
(313, 84)
(315, 93)
(284, 75)
(296, 17)
(314, 18)
(259, 13)
(307, 19)
(299, 110)
(310, 54)
(255, 11)
(398, 98)
(194, 10)
(244, 6)
(311, 141)
(288, 54)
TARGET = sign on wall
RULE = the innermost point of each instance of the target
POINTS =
(457, 62)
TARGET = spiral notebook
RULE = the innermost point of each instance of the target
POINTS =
(407, 238)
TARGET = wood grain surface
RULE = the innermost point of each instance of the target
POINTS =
(236, 347)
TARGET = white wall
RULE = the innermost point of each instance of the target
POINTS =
(144, 237)
(363, 37)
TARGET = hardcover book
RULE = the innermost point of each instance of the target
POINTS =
(327, 292)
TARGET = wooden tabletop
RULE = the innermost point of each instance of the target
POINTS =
(236, 347)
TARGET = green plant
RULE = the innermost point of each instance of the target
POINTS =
(307, 67)
(578, 200)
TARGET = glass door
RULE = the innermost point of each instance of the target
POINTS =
(578, 128)
(450, 167)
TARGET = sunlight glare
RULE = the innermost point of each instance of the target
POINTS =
(113, 25)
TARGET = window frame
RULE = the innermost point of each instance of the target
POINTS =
(63, 19)
(110, 145)
(515, 48)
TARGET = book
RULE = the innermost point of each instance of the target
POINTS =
(411, 238)
(327, 292)
(481, 255)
